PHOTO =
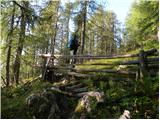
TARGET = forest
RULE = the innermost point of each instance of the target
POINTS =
(112, 72)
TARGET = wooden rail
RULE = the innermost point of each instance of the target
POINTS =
(132, 62)
(149, 52)
(89, 56)
(143, 63)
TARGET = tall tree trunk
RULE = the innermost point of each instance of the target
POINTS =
(9, 48)
(53, 41)
(55, 28)
(84, 26)
(17, 62)
(68, 18)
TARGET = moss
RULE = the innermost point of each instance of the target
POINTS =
(80, 107)
(13, 100)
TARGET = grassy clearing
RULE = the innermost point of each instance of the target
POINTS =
(106, 61)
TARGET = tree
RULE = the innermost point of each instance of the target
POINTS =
(9, 39)
(17, 62)
(142, 25)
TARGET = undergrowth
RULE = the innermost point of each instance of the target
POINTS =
(13, 100)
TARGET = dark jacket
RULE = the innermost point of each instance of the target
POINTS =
(73, 45)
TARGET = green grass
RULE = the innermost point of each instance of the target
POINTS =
(13, 100)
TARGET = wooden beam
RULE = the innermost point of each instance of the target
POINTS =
(60, 91)
(106, 71)
(80, 75)
(150, 52)
(74, 86)
(89, 56)
(133, 62)
(84, 89)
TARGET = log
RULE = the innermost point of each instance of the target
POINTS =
(81, 94)
(106, 70)
(60, 91)
(74, 86)
(89, 56)
(80, 75)
(150, 52)
(84, 89)
(72, 83)
(150, 60)
(34, 79)
(133, 62)
(153, 66)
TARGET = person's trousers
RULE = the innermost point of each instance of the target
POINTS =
(73, 53)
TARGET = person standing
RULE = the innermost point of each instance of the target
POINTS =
(73, 45)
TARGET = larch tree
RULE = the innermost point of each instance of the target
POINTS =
(9, 39)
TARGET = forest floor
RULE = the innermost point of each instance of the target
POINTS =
(120, 95)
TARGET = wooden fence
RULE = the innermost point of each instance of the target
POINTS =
(143, 63)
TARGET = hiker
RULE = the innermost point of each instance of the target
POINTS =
(73, 45)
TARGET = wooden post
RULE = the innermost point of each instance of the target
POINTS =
(44, 68)
(144, 71)
(53, 72)
(143, 64)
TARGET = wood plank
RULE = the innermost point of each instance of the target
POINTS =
(71, 83)
(60, 91)
(153, 66)
(80, 75)
(74, 86)
(106, 71)
(133, 62)
(81, 94)
(84, 89)
(151, 52)
(89, 56)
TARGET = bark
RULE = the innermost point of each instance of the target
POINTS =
(84, 26)
(55, 28)
(9, 48)
(52, 45)
(17, 62)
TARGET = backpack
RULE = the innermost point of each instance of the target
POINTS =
(71, 43)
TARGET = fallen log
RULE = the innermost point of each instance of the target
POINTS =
(84, 89)
(74, 86)
(56, 89)
(81, 94)
(71, 83)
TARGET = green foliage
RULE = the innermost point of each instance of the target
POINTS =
(142, 25)
(13, 100)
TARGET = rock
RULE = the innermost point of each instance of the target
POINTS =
(121, 67)
(32, 100)
(54, 112)
(84, 104)
(43, 111)
(41, 105)
(125, 115)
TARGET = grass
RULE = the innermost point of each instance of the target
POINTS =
(13, 100)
